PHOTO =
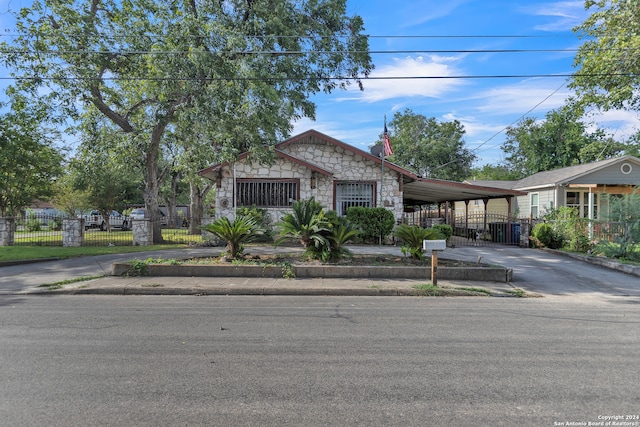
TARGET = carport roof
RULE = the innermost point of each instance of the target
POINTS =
(426, 190)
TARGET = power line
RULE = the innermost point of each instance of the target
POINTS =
(287, 78)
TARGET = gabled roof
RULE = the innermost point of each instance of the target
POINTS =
(566, 175)
(347, 147)
(208, 172)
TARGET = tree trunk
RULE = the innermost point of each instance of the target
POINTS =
(196, 209)
(151, 185)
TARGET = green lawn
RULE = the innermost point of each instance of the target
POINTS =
(17, 253)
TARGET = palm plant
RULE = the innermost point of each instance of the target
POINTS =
(342, 231)
(307, 223)
(242, 230)
(412, 237)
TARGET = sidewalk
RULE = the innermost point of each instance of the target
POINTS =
(29, 278)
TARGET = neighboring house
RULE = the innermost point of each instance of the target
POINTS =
(579, 186)
(336, 174)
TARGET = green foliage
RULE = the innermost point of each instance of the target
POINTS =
(160, 75)
(138, 268)
(559, 141)
(545, 235)
(242, 230)
(323, 235)
(374, 223)
(445, 229)
(609, 72)
(261, 217)
(624, 211)
(430, 148)
(569, 228)
(29, 162)
(306, 223)
(412, 237)
(32, 223)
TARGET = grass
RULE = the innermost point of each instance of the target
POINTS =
(60, 284)
(21, 253)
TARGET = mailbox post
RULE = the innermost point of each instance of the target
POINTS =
(434, 246)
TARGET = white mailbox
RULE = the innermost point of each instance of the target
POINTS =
(434, 245)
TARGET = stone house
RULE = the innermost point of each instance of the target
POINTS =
(337, 175)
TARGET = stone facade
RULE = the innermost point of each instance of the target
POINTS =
(7, 231)
(72, 232)
(339, 164)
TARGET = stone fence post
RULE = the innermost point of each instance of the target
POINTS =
(142, 232)
(72, 232)
(7, 231)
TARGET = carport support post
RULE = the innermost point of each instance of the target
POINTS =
(434, 268)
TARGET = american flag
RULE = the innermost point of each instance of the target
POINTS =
(385, 141)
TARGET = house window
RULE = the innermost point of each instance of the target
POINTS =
(267, 193)
(350, 194)
(534, 205)
(579, 200)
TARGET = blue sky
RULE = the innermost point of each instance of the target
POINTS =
(484, 106)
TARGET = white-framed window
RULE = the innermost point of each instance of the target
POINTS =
(579, 200)
(534, 200)
(267, 193)
(350, 194)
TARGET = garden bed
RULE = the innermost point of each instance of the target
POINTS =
(278, 265)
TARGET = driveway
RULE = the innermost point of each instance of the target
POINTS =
(535, 270)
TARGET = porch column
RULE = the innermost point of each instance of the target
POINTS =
(591, 213)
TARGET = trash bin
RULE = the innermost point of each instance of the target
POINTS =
(515, 233)
(498, 232)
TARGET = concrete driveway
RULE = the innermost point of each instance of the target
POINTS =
(547, 273)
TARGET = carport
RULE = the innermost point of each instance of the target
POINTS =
(426, 191)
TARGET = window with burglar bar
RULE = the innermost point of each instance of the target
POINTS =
(350, 194)
(267, 193)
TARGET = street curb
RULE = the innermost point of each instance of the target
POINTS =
(602, 262)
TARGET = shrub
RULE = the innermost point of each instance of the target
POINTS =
(374, 223)
(242, 230)
(262, 218)
(412, 237)
(32, 223)
(546, 236)
(323, 235)
(445, 229)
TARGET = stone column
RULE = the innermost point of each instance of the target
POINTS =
(142, 232)
(72, 232)
(7, 231)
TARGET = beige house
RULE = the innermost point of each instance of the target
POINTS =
(337, 175)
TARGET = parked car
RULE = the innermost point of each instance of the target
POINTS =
(93, 219)
(141, 213)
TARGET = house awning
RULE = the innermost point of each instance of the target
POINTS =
(426, 191)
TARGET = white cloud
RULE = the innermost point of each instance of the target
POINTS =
(413, 82)
(564, 15)
(537, 94)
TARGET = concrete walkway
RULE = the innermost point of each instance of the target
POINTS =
(536, 272)
(29, 278)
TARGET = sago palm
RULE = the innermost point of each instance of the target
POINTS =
(242, 230)
(412, 237)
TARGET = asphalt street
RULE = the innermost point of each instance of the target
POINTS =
(312, 361)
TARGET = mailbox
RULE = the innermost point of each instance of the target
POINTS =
(434, 245)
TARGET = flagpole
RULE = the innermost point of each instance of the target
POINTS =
(380, 204)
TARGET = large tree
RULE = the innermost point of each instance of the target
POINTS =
(243, 68)
(608, 70)
(428, 147)
(558, 141)
(29, 159)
